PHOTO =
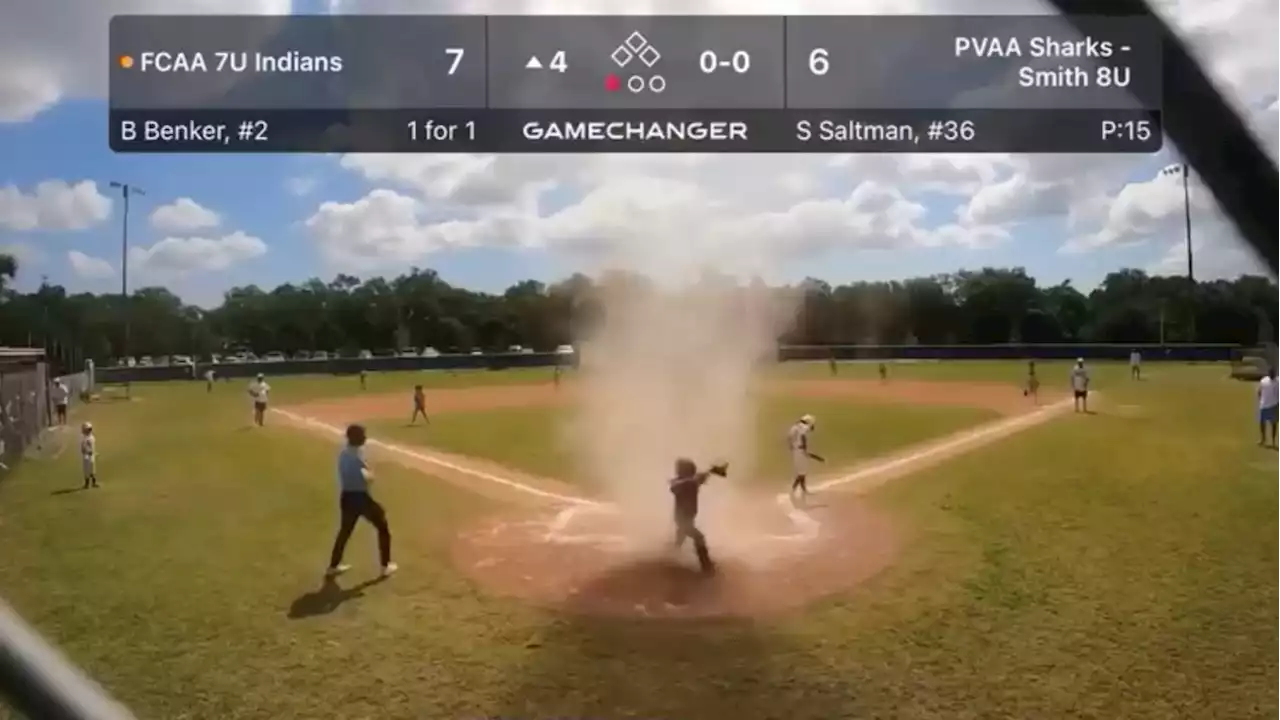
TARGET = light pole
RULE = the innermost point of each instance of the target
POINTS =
(126, 190)
(1181, 169)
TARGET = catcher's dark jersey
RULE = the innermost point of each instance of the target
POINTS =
(686, 490)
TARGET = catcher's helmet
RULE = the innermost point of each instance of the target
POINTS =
(685, 467)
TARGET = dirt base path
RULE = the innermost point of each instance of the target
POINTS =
(562, 550)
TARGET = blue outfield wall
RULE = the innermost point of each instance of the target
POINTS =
(503, 361)
(335, 366)
(1011, 351)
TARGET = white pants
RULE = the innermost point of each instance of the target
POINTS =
(89, 464)
(799, 463)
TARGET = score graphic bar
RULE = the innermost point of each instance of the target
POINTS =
(638, 131)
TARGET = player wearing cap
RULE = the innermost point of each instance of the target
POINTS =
(89, 455)
(798, 443)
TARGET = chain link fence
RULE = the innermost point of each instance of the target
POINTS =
(25, 411)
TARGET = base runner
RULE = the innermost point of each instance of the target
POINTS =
(798, 442)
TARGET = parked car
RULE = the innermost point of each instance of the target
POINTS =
(320, 355)
(408, 352)
(365, 355)
(145, 361)
(430, 352)
(564, 350)
(273, 356)
(477, 351)
(515, 349)
(526, 351)
(302, 355)
(181, 360)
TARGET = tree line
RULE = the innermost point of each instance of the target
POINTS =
(419, 309)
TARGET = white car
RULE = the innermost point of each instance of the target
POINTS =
(430, 352)
(477, 351)
(564, 350)
(180, 360)
(365, 355)
(273, 357)
(320, 355)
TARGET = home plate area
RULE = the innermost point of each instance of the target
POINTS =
(591, 558)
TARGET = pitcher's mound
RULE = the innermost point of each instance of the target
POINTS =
(581, 559)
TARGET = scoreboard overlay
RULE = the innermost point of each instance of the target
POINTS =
(517, 84)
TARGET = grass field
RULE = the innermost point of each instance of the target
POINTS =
(1115, 565)
(538, 440)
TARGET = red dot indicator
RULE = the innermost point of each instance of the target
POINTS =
(612, 83)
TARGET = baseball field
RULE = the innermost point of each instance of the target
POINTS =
(968, 552)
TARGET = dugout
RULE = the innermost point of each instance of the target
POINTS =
(24, 402)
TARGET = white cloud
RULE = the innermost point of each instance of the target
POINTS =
(762, 208)
(53, 50)
(89, 267)
(175, 257)
(27, 255)
(53, 205)
(183, 215)
(1212, 260)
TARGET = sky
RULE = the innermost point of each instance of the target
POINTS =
(206, 223)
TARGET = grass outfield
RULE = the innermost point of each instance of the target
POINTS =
(537, 440)
(1120, 565)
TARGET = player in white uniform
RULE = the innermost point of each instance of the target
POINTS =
(1080, 386)
(89, 455)
(1135, 365)
(1268, 407)
(259, 390)
(798, 443)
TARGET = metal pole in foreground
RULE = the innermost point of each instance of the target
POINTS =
(126, 190)
(39, 683)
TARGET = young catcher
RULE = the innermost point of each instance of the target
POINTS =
(798, 441)
(685, 487)
(259, 391)
(419, 406)
(89, 455)
(355, 502)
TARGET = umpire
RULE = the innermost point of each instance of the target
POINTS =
(685, 487)
(355, 502)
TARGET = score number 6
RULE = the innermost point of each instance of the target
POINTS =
(819, 61)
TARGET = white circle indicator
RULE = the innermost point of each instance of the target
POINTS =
(657, 84)
(635, 84)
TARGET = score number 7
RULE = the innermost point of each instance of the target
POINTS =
(455, 58)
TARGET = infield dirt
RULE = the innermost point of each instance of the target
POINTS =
(579, 561)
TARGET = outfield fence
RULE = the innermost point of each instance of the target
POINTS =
(25, 411)
(1178, 352)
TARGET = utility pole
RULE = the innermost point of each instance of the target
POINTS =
(126, 190)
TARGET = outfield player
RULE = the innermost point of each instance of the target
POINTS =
(208, 380)
(555, 378)
(259, 390)
(1033, 382)
(1135, 365)
(832, 366)
(1268, 407)
(89, 455)
(798, 443)
(1080, 386)
(355, 502)
(364, 378)
(884, 372)
(685, 487)
(419, 405)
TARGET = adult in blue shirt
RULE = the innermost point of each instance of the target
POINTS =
(355, 502)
